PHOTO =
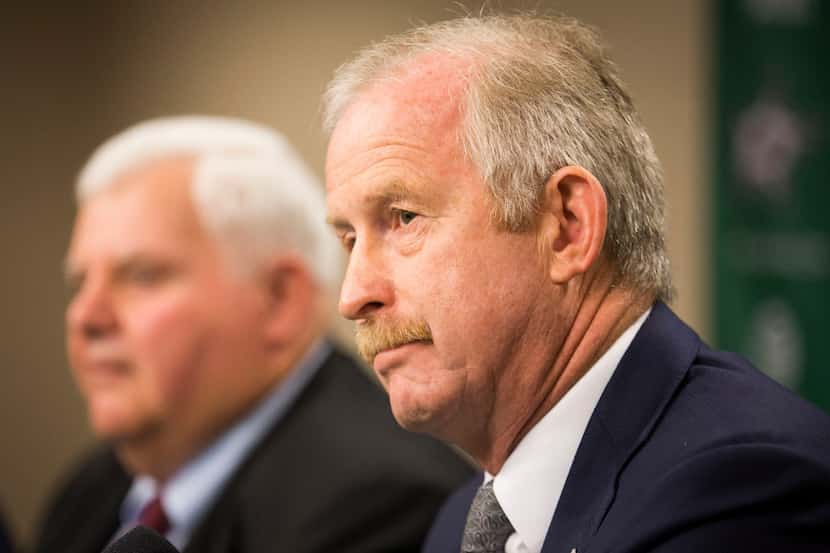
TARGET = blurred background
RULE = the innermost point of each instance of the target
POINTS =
(732, 92)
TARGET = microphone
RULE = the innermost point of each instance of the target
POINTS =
(141, 540)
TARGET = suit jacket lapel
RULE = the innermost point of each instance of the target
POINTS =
(218, 531)
(642, 385)
(446, 534)
(94, 537)
(214, 537)
(91, 529)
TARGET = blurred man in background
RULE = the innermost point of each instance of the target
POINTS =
(200, 266)
(502, 207)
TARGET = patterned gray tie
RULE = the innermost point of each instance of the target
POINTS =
(487, 526)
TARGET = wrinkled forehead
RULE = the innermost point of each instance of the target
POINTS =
(423, 90)
(420, 103)
(432, 86)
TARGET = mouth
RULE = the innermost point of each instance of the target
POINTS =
(394, 356)
(381, 338)
(105, 371)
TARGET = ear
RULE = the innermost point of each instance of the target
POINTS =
(574, 219)
(291, 300)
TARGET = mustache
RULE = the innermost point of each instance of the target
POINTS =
(375, 336)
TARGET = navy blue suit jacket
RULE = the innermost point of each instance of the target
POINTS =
(688, 450)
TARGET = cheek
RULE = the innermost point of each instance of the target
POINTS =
(166, 339)
(481, 299)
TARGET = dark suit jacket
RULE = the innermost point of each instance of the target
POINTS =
(336, 473)
(688, 450)
(6, 545)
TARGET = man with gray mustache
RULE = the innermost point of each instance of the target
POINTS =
(502, 207)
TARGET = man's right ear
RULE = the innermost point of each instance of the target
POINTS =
(291, 299)
(573, 222)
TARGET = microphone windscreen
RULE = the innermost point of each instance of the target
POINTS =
(141, 540)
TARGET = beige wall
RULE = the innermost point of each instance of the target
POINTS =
(73, 78)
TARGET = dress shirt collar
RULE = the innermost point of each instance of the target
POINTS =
(531, 480)
(196, 486)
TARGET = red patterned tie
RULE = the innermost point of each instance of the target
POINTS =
(153, 516)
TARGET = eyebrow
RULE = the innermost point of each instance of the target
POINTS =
(393, 191)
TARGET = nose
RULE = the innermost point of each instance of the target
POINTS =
(366, 287)
(90, 313)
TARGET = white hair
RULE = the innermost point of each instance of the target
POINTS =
(541, 93)
(250, 189)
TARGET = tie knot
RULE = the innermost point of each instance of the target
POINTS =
(153, 516)
(487, 526)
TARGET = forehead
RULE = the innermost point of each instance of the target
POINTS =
(424, 97)
(409, 121)
(148, 207)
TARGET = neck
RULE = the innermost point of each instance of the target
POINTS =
(154, 455)
(163, 449)
(594, 324)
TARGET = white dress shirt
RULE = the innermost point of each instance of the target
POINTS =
(530, 483)
(195, 487)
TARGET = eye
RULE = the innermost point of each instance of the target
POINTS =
(405, 217)
(347, 240)
(146, 275)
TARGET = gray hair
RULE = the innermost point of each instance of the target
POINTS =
(250, 188)
(541, 94)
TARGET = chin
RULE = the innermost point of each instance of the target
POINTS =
(412, 419)
(414, 412)
(115, 425)
(112, 430)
